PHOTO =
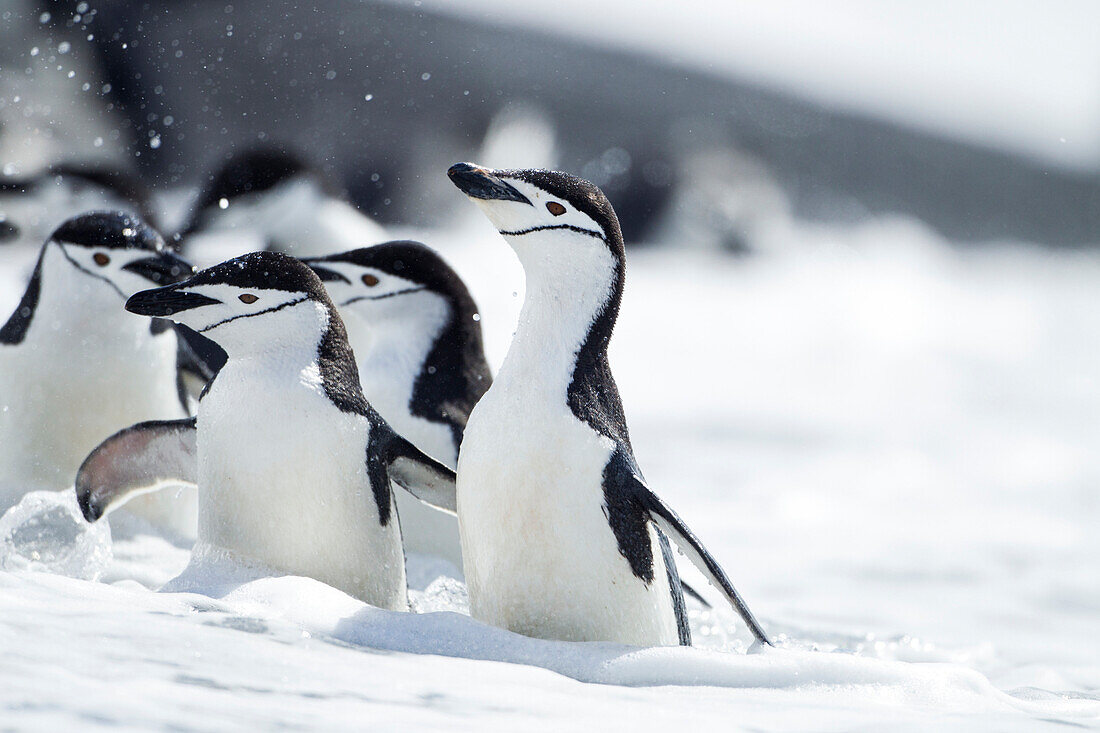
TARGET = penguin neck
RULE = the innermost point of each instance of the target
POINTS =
(305, 345)
(574, 287)
(392, 347)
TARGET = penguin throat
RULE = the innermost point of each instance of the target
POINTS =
(572, 302)
(284, 334)
(398, 334)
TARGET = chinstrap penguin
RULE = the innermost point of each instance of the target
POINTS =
(287, 205)
(416, 335)
(75, 367)
(293, 465)
(32, 207)
(561, 537)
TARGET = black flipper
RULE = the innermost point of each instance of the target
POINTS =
(198, 359)
(671, 524)
(421, 475)
(135, 460)
(676, 589)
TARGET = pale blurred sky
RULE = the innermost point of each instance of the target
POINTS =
(1005, 73)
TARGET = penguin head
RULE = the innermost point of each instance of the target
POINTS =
(256, 302)
(108, 255)
(31, 208)
(399, 283)
(538, 208)
(264, 189)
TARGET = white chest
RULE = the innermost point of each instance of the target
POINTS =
(67, 387)
(539, 553)
(283, 482)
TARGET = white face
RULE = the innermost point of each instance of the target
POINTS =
(570, 266)
(244, 320)
(384, 311)
(364, 286)
(544, 212)
(117, 273)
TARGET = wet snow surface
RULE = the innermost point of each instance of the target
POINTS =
(890, 445)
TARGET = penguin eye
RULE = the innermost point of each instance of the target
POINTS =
(370, 280)
(248, 298)
(555, 208)
(101, 259)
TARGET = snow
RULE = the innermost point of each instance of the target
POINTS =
(889, 444)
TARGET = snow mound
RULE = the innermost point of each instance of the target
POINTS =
(322, 612)
(217, 582)
(46, 532)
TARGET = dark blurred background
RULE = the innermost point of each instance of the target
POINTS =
(387, 95)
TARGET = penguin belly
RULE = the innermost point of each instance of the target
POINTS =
(540, 556)
(283, 483)
(61, 398)
(424, 529)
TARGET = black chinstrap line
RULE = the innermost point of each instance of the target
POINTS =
(545, 227)
(88, 272)
(272, 309)
(357, 298)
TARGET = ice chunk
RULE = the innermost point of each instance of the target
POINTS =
(46, 532)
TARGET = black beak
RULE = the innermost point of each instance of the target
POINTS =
(479, 183)
(325, 274)
(90, 505)
(164, 269)
(164, 302)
